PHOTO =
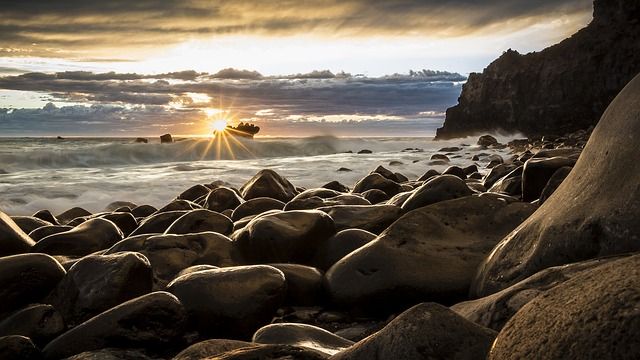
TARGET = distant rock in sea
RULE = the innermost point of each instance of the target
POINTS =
(563, 88)
(166, 139)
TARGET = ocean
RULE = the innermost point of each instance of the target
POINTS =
(57, 174)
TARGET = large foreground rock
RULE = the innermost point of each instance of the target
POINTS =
(291, 236)
(12, 239)
(232, 301)
(268, 183)
(593, 213)
(429, 253)
(90, 236)
(27, 278)
(426, 331)
(302, 335)
(592, 316)
(153, 321)
(373, 218)
(39, 322)
(493, 311)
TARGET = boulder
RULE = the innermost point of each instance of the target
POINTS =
(210, 348)
(46, 215)
(455, 171)
(336, 185)
(386, 173)
(340, 245)
(12, 239)
(222, 198)
(496, 173)
(71, 214)
(201, 220)
(97, 283)
(271, 351)
(594, 315)
(372, 218)
(537, 172)
(18, 347)
(436, 189)
(375, 196)
(178, 205)
(143, 211)
(170, 254)
(29, 223)
(428, 175)
(316, 202)
(268, 183)
(117, 205)
(232, 301)
(154, 320)
(428, 254)
(111, 354)
(26, 279)
(256, 206)
(125, 221)
(90, 236)
(166, 139)
(195, 192)
(291, 236)
(302, 335)
(554, 182)
(304, 284)
(487, 140)
(593, 213)
(425, 331)
(493, 311)
(510, 184)
(158, 223)
(39, 322)
(377, 181)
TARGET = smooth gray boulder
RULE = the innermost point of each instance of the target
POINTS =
(430, 253)
(268, 183)
(593, 213)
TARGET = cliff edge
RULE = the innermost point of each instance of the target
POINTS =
(560, 89)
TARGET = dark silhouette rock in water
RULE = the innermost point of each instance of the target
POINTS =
(593, 213)
(247, 130)
(142, 140)
(563, 88)
(166, 139)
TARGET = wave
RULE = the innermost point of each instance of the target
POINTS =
(92, 154)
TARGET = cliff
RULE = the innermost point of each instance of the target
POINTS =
(563, 88)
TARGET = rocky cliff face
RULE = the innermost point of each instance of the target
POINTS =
(563, 88)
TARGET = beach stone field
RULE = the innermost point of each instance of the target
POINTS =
(531, 256)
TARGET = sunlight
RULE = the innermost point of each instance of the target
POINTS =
(219, 125)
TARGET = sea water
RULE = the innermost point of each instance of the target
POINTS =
(57, 174)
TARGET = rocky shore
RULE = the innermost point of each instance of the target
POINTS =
(538, 258)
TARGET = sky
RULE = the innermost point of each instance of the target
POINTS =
(295, 68)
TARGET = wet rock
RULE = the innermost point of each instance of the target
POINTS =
(428, 175)
(195, 268)
(377, 181)
(493, 311)
(117, 205)
(170, 254)
(97, 283)
(46, 215)
(158, 223)
(201, 220)
(337, 186)
(86, 238)
(487, 140)
(42, 232)
(195, 192)
(143, 211)
(221, 199)
(12, 239)
(425, 331)
(29, 223)
(429, 253)
(554, 182)
(593, 315)
(125, 221)
(344, 169)
(302, 335)
(232, 301)
(340, 245)
(468, 170)
(510, 184)
(291, 236)
(39, 322)
(594, 212)
(256, 206)
(375, 196)
(261, 351)
(537, 172)
(373, 218)
(365, 151)
(455, 171)
(71, 214)
(268, 183)
(178, 205)
(154, 320)
(496, 174)
(210, 348)
(27, 278)
(166, 139)
(111, 354)
(439, 188)
(304, 284)
(18, 347)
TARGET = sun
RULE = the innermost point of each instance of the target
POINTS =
(219, 125)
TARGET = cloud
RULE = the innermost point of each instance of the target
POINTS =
(302, 101)
(65, 28)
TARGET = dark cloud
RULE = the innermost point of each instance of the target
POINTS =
(303, 101)
(58, 28)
